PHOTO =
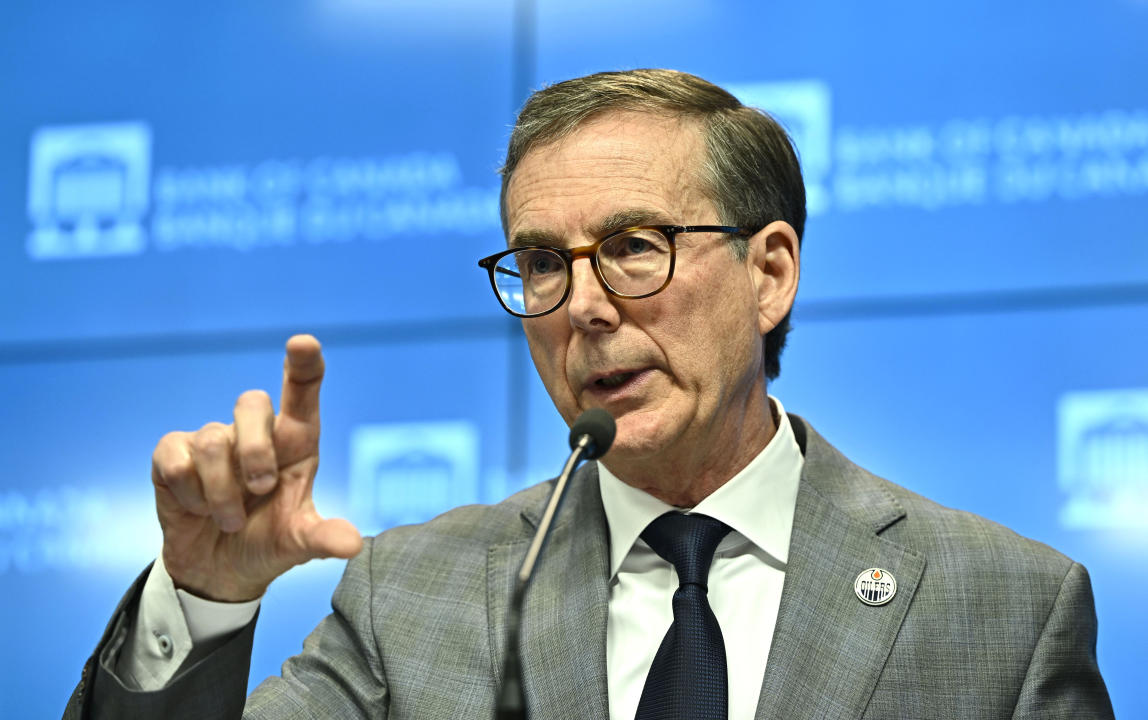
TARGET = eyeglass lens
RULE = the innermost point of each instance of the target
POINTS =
(533, 280)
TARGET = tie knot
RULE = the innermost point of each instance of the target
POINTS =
(687, 542)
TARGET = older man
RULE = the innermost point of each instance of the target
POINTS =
(723, 560)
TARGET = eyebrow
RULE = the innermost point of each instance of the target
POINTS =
(529, 238)
(629, 217)
(619, 220)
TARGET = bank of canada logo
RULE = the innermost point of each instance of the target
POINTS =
(803, 107)
(410, 472)
(88, 190)
(1103, 459)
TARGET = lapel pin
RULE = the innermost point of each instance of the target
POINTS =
(875, 586)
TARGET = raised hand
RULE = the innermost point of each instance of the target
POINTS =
(234, 501)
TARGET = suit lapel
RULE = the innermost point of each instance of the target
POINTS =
(828, 647)
(563, 639)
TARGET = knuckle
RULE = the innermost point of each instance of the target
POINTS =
(169, 444)
(171, 458)
(174, 471)
(253, 399)
(173, 438)
(212, 440)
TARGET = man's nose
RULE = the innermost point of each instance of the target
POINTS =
(591, 308)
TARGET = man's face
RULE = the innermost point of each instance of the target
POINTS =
(684, 365)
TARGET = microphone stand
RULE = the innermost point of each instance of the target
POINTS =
(511, 699)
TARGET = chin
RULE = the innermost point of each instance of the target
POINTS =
(641, 436)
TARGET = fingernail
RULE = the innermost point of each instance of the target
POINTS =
(230, 523)
(261, 483)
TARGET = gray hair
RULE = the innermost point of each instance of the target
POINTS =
(751, 172)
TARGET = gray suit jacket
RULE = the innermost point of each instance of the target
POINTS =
(985, 623)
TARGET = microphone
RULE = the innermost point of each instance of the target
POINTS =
(590, 437)
(594, 432)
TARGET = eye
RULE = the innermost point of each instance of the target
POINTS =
(635, 245)
(538, 262)
(638, 244)
(543, 264)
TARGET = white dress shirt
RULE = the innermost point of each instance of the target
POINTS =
(745, 579)
(169, 624)
(745, 584)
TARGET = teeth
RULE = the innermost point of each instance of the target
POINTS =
(615, 380)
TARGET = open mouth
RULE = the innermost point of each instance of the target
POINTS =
(613, 381)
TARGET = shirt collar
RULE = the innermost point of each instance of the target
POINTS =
(758, 502)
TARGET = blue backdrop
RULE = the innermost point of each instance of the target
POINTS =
(182, 188)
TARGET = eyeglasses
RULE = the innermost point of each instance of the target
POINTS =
(633, 263)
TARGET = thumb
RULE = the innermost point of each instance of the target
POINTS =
(334, 537)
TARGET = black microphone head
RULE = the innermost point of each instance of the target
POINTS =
(599, 425)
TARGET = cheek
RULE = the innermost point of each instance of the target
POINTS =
(542, 348)
(548, 351)
(716, 332)
(697, 321)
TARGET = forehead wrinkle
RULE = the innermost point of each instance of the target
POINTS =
(609, 158)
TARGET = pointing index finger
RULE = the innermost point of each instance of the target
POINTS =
(302, 375)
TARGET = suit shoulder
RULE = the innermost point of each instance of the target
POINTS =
(471, 524)
(405, 571)
(962, 540)
(949, 539)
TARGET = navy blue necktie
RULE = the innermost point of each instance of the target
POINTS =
(688, 678)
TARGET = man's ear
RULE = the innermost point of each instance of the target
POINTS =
(775, 265)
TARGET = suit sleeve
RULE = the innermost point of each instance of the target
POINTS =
(338, 674)
(1063, 678)
(101, 693)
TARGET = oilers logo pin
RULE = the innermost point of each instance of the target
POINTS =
(875, 586)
